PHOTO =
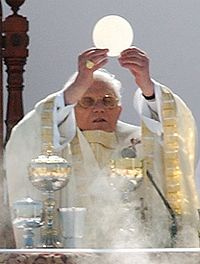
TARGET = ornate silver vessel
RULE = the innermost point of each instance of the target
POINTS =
(49, 173)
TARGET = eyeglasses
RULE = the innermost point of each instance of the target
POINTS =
(108, 101)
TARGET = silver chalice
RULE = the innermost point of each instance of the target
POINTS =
(49, 173)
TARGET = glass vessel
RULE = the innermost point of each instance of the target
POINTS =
(27, 215)
(126, 175)
(49, 173)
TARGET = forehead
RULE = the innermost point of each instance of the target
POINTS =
(99, 88)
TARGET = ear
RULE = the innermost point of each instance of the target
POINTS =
(119, 110)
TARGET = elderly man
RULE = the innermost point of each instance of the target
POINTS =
(84, 127)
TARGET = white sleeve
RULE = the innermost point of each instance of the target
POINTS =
(145, 107)
(64, 122)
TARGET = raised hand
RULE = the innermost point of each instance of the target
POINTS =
(88, 62)
(137, 62)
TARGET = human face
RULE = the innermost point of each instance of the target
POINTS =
(98, 116)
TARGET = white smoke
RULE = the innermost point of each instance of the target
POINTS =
(115, 215)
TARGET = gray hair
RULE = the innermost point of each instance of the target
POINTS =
(102, 75)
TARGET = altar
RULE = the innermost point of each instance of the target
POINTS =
(101, 256)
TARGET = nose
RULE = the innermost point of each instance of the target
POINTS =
(99, 106)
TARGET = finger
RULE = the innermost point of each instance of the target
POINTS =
(94, 56)
(133, 66)
(135, 60)
(132, 50)
(98, 65)
(93, 51)
(98, 58)
(132, 55)
(95, 64)
(140, 61)
(101, 63)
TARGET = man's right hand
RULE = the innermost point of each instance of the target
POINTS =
(88, 62)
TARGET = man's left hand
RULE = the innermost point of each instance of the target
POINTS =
(137, 62)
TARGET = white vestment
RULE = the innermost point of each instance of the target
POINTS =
(88, 186)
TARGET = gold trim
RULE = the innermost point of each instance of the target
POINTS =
(47, 125)
(172, 171)
(171, 142)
